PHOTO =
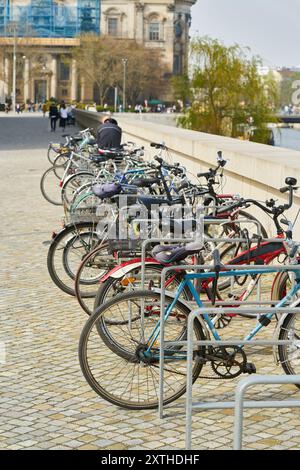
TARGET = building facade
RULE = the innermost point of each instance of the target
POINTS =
(43, 33)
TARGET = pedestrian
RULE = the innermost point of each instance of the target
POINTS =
(109, 134)
(44, 109)
(63, 116)
(18, 108)
(6, 108)
(53, 116)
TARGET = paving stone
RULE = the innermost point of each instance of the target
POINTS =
(45, 401)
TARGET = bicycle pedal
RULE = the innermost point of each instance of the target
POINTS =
(249, 368)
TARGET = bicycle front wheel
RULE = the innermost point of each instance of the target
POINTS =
(289, 355)
(114, 362)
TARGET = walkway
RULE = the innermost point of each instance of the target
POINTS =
(45, 402)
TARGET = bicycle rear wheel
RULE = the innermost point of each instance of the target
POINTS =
(112, 359)
(50, 187)
(83, 237)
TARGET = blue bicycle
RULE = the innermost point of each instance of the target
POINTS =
(119, 346)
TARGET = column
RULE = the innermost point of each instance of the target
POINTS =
(53, 79)
(73, 80)
(6, 76)
(139, 32)
(82, 90)
(26, 80)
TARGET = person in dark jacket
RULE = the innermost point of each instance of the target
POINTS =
(109, 134)
(53, 116)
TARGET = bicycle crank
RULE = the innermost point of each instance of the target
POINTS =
(228, 362)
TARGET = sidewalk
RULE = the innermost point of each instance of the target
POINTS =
(45, 403)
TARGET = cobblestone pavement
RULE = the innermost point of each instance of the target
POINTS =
(45, 402)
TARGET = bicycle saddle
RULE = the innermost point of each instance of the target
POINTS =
(75, 138)
(111, 153)
(167, 254)
(106, 190)
(148, 201)
(145, 182)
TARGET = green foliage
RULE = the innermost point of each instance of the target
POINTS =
(227, 91)
(181, 88)
(100, 63)
(101, 109)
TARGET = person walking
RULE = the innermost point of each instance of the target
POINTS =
(109, 134)
(63, 116)
(44, 109)
(53, 116)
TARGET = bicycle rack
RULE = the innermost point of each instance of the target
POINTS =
(239, 404)
(185, 240)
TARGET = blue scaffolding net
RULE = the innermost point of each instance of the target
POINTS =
(49, 18)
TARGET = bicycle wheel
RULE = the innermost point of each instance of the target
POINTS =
(281, 285)
(71, 234)
(114, 363)
(53, 151)
(72, 184)
(60, 163)
(85, 205)
(289, 355)
(50, 187)
(76, 248)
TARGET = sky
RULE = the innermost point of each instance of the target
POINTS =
(269, 27)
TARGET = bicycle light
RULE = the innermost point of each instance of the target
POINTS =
(290, 181)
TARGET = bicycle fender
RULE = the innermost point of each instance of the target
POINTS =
(119, 271)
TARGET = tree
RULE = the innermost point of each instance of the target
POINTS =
(227, 90)
(99, 61)
(181, 88)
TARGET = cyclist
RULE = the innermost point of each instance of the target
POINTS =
(109, 134)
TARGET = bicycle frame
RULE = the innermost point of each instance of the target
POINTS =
(187, 283)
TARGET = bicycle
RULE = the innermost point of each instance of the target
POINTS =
(120, 361)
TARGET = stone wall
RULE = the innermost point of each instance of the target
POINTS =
(253, 170)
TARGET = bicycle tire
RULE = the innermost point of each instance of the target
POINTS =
(58, 244)
(67, 186)
(108, 355)
(57, 200)
(285, 352)
(51, 151)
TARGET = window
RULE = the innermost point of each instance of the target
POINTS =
(154, 31)
(64, 71)
(64, 92)
(112, 26)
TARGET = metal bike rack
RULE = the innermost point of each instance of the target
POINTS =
(148, 241)
(229, 303)
(239, 403)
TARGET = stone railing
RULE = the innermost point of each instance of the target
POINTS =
(253, 170)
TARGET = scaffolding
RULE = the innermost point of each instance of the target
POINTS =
(49, 18)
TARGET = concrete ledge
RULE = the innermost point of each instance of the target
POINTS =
(254, 170)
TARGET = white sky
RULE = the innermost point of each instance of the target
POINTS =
(269, 27)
